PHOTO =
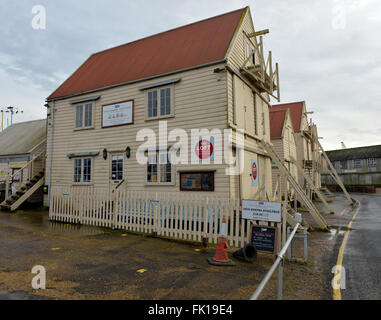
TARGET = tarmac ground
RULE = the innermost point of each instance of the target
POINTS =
(83, 262)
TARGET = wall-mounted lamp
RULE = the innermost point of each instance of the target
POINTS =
(105, 153)
(128, 152)
(218, 70)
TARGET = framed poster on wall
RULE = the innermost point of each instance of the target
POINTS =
(118, 114)
(197, 181)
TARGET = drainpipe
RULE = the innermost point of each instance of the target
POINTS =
(51, 151)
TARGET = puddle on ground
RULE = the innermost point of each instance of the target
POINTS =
(20, 295)
(334, 232)
(39, 221)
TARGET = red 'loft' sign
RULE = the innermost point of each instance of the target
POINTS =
(204, 149)
(254, 170)
(254, 173)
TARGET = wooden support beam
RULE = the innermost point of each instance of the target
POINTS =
(336, 176)
(276, 190)
(309, 204)
(311, 183)
(258, 33)
(328, 191)
(259, 192)
(290, 220)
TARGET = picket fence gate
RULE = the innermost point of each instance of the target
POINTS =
(174, 215)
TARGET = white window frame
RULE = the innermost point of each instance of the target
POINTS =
(172, 102)
(123, 165)
(356, 163)
(372, 162)
(158, 171)
(82, 159)
(249, 46)
(83, 115)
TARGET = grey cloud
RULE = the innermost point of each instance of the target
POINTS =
(337, 72)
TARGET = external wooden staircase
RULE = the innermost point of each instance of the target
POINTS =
(298, 189)
(23, 193)
(36, 179)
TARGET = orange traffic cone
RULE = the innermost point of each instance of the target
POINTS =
(221, 257)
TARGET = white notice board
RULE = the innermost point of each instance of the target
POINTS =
(118, 114)
(261, 210)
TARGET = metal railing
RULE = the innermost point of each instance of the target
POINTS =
(278, 262)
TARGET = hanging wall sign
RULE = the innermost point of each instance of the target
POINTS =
(204, 149)
(118, 114)
(254, 173)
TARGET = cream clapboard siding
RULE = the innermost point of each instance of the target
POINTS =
(317, 157)
(303, 145)
(279, 149)
(200, 102)
(286, 149)
(241, 115)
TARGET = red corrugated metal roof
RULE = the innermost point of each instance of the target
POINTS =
(296, 109)
(277, 118)
(195, 44)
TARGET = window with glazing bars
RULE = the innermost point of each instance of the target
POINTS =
(159, 103)
(117, 167)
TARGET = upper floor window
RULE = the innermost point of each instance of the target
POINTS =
(249, 52)
(357, 163)
(343, 164)
(371, 162)
(82, 170)
(84, 116)
(159, 103)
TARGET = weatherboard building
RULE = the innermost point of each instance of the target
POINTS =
(205, 75)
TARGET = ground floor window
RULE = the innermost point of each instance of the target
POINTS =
(82, 170)
(117, 167)
(159, 171)
(16, 173)
(197, 181)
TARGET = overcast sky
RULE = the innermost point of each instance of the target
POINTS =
(329, 52)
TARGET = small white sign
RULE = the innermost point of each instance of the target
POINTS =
(117, 114)
(261, 210)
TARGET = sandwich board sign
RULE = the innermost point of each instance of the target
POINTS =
(263, 238)
(261, 210)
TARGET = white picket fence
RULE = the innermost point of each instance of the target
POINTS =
(180, 216)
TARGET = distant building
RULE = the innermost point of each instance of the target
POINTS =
(22, 158)
(308, 155)
(358, 168)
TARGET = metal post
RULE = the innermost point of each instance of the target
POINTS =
(305, 245)
(280, 280)
(278, 261)
(289, 249)
(7, 185)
